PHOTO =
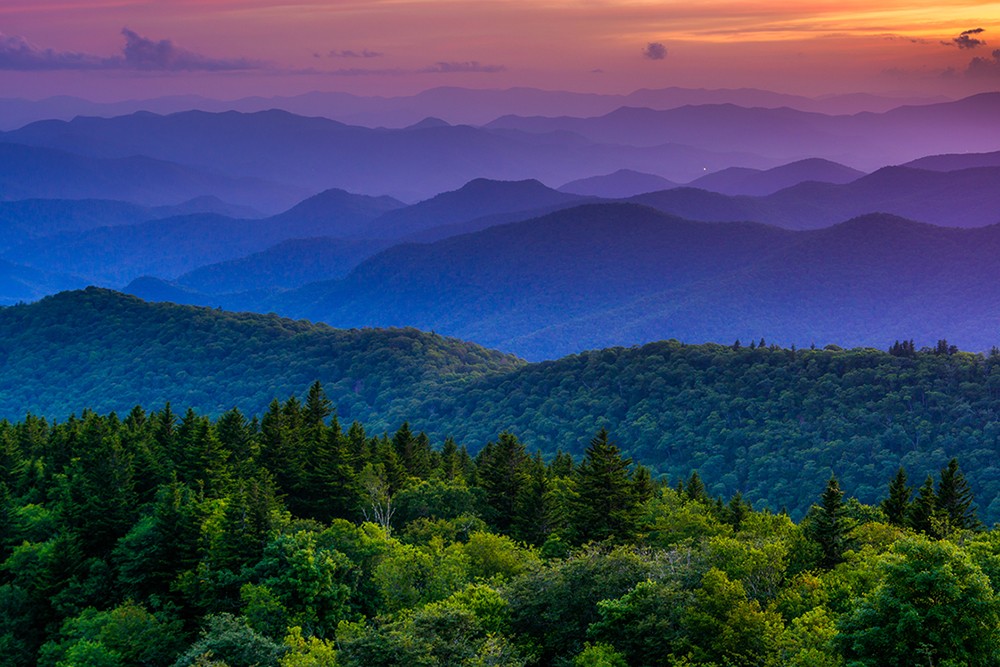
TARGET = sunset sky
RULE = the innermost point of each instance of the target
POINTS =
(115, 49)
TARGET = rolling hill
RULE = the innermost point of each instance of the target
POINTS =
(757, 182)
(619, 274)
(965, 198)
(177, 245)
(34, 172)
(769, 422)
(619, 185)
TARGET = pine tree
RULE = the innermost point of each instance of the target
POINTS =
(502, 472)
(318, 406)
(923, 513)
(830, 526)
(897, 504)
(737, 511)
(330, 487)
(531, 505)
(695, 488)
(607, 506)
(955, 501)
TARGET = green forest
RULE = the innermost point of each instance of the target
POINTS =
(771, 423)
(174, 538)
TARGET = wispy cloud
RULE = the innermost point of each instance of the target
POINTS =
(654, 51)
(138, 53)
(16, 53)
(348, 53)
(466, 66)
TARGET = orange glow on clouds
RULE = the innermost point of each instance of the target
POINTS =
(810, 47)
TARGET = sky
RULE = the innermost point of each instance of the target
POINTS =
(108, 50)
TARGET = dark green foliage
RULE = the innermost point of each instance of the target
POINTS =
(677, 407)
(896, 505)
(607, 505)
(232, 641)
(829, 525)
(503, 472)
(923, 515)
(954, 499)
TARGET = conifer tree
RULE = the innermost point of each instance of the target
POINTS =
(695, 488)
(532, 504)
(830, 526)
(501, 469)
(955, 501)
(737, 511)
(897, 504)
(923, 513)
(607, 506)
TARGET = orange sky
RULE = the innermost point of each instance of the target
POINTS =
(594, 45)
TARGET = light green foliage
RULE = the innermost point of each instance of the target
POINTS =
(410, 576)
(599, 655)
(809, 641)
(724, 626)
(492, 556)
(308, 581)
(933, 604)
(307, 652)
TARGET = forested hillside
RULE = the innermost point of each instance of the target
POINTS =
(167, 538)
(769, 422)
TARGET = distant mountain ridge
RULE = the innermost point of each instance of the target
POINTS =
(600, 275)
(864, 141)
(454, 105)
(35, 172)
(317, 153)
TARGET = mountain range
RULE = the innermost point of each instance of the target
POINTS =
(617, 274)
(455, 105)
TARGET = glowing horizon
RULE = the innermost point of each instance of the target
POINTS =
(242, 47)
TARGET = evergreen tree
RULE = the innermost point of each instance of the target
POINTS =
(330, 489)
(695, 488)
(502, 472)
(607, 506)
(955, 501)
(737, 511)
(532, 509)
(896, 505)
(830, 526)
(923, 513)
(318, 407)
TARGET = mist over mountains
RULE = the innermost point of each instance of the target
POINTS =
(459, 228)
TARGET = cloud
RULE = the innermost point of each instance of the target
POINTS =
(16, 53)
(347, 53)
(162, 56)
(985, 68)
(655, 51)
(965, 39)
(467, 66)
(138, 53)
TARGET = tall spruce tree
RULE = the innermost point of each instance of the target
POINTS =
(955, 501)
(923, 513)
(607, 506)
(502, 472)
(897, 504)
(830, 526)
